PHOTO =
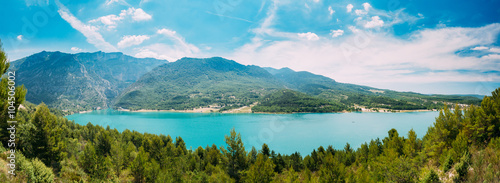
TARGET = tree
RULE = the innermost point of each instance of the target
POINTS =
(139, 166)
(261, 171)
(47, 144)
(235, 154)
(410, 146)
(265, 150)
(431, 177)
(332, 170)
(19, 97)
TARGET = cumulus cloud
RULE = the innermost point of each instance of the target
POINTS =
(349, 8)
(316, 1)
(375, 22)
(132, 40)
(138, 14)
(336, 33)
(309, 36)
(76, 49)
(90, 32)
(20, 37)
(111, 21)
(367, 6)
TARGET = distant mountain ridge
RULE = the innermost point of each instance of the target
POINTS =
(77, 82)
(87, 81)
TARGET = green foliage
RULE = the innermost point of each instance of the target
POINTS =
(192, 83)
(289, 101)
(235, 153)
(331, 170)
(448, 163)
(261, 171)
(431, 177)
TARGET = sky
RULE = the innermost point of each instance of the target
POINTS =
(443, 47)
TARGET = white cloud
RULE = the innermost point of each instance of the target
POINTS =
(109, 2)
(367, 6)
(111, 21)
(309, 36)
(480, 48)
(336, 33)
(90, 32)
(20, 37)
(375, 58)
(496, 50)
(165, 52)
(76, 49)
(354, 29)
(491, 57)
(180, 48)
(138, 14)
(316, 1)
(330, 10)
(360, 12)
(349, 8)
(375, 22)
(147, 53)
(132, 40)
(189, 48)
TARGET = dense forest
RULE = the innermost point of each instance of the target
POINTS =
(461, 146)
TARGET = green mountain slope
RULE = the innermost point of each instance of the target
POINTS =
(350, 94)
(190, 83)
(76, 82)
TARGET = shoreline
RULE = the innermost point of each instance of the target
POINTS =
(247, 110)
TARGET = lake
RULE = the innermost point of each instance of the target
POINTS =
(284, 133)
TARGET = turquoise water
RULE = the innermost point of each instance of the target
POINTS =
(284, 133)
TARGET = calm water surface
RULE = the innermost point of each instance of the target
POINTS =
(284, 133)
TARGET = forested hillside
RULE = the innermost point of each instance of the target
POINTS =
(79, 82)
(289, 101)
(461, 146)
(190, 83)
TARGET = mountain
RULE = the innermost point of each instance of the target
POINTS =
(87, 81)
(77, 82)
(189, 83)
(224, 84)
(357, 95)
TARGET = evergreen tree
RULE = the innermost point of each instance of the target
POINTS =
(261, 171)
(235, 153)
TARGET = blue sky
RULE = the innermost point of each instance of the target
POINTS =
(448, 47)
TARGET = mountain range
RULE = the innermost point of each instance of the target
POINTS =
(78, 82)
(89, 81)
